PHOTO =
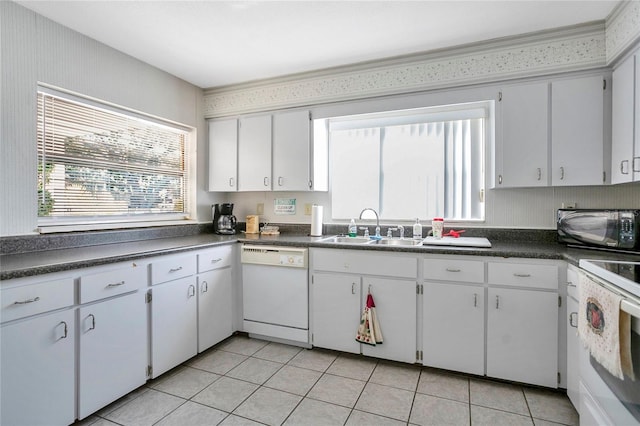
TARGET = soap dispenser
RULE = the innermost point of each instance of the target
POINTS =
(417, 230)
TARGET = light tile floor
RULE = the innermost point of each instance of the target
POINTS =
(245, 381)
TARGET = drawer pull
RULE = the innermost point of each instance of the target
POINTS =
(216, 260)
(115, 284)
(179, 268)
(453, 270)
(64, 336)
(24, 302)
(475, 300)
(353, 288)
(205, 287)
(571, 317)
(521, 275)
(497, 302)
(192, 290)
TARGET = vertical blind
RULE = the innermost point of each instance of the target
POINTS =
(98, 162)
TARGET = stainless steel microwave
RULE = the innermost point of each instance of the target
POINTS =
(610, 229)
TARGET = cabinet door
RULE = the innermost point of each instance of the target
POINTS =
(336, 311)
(453, 327)
(395, 302)
(622, 115)
(522, 336)
(577, 131)
(38, 370)
(223, 155)
(214, 307)
(174, 321)
(573, 352)
(291, 151)
(523, 148)
(112, 350)
(254, 154)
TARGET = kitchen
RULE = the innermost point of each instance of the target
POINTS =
(58, 56)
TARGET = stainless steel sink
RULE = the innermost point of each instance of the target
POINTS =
(398, 242)
(345, 240)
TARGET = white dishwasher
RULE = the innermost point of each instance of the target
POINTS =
(275, 292)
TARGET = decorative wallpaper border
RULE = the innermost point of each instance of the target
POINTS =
(623, 29)
(572, 49)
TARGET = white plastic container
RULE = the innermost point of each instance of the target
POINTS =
(437, 226)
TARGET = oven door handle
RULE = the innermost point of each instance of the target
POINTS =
(630, 308)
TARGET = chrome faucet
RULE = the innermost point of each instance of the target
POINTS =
(399, 228)
(377, 220)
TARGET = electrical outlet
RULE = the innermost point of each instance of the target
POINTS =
(569, 205)
(260, 209)
(307, 209)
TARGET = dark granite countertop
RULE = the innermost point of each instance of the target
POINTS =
(61, 259)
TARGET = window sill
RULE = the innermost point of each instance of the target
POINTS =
(50, 229)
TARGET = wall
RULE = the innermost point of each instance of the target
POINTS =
(35, 49)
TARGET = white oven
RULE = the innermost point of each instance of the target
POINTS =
(606, 399)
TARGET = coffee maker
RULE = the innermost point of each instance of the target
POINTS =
(224, 222)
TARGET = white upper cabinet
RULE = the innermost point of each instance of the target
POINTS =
(292, 159)
(223, 155)
(625, 151)
(522, 153)
(254, 153)
(577, 131)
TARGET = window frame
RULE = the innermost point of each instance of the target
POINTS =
(138, 220)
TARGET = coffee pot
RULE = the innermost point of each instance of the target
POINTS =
(224, 222)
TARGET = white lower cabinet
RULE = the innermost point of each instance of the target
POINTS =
(453, 327)
(336, 311)
(38, 370)
(215, 313)
(522, 336)
(112, 350)
(338, 299)
(395, 302)
(174, 322)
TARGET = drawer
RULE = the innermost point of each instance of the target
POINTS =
(111, 283)
(173, 267)
(364, 262)
(219, 257)
(523, 275)
(465, 271)
(19, 302)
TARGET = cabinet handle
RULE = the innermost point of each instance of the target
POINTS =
(93, 322)
(115, 284)
(453, 270)
(192, 290)
(539, 173)
(353, 288)
(622, 164)
(475, 300)
(265, 181)
(499, 179)
(280, 180)
(64, 336)
(205, 287)
(231, 181)
(521, 275)
(216, 260)
(179, 268)
(497, 302)
(636, 159)
(24, 302)
(561, 173)
(570, 284)
(571, 323)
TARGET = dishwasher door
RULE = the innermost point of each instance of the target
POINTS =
(276, 295)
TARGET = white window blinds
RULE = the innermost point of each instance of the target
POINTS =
(97, 163)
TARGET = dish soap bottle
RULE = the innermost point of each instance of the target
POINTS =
(417, 230)
(353, 229)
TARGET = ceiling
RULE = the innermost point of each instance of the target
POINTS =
(219, 43)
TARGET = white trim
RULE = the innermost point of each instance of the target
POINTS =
(623, 29)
